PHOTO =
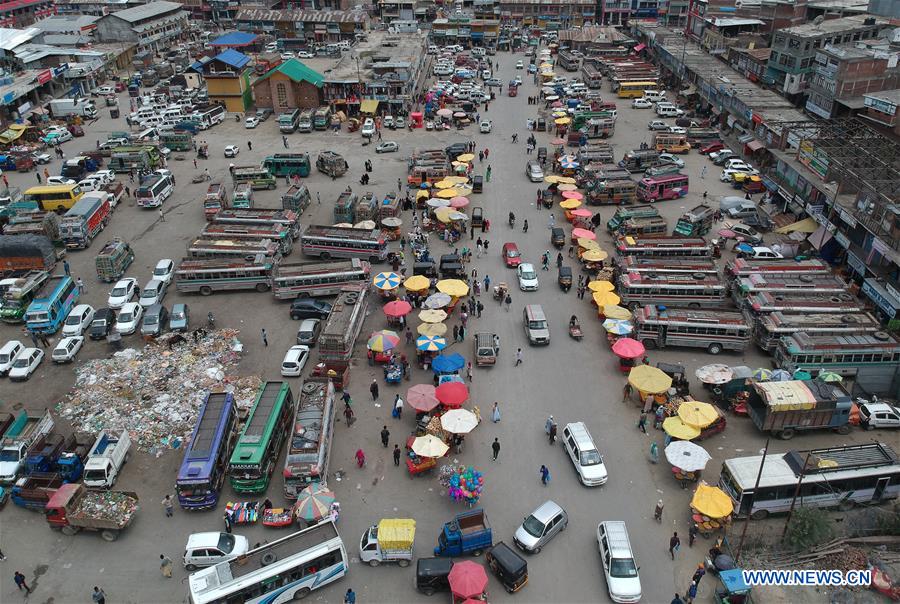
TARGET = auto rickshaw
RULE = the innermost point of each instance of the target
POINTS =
(477, 183)
(542, 155)
(203, 151)
(557, 237)
(431, 575)
(509, 567)
(564, 278)
(732, 589)
(541, 124)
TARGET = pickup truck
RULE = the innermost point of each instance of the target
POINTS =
(74, 508)
(468, 533)
(391, 540)
(33, 492)
(116, 191)
(25, 431)
(106, 459)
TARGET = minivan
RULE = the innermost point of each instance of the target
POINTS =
(8, 354)
(654, 96)
(669, 111)
(308, 332)
(154, 320)
(617, 558)
(540, 527)
(585, 457)
(537, 330)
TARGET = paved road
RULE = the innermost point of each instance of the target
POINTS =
(574, 381)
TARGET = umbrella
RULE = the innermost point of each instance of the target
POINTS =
(457, 215)
(417, 283)
(397, 308)
(459, 114)
(448, 193)
(429, 446)
(445, 112)
(780, 375)
(565, 180)
(628, 348)
(743, 247)
(562, 121)
(444, 184)
(566, 188)
(762, 375)
(557, 141)
(583, 234)
(714, 374)
(601, 286)
(556, 104)
(431, 343)
(604, 298)
(447, 363)
(687, 456)
(697, 414)
(425, 185)
(391, 222)
(365, 224)
(452, 394)
(611, 311)
(711, 501)
(467, 579)
(466, 157)
(727, 234)
(619, 327)
(800, 374)
(569, 194)
(582, 213)
(344, 225)
(830, 376)
(676, 428)
(387, 281)
(432, 315)
(382, 341)
(432, 329)
(421, 397)
(649, 379)
(444, 214)
(459, 202)
(567, 164)
(313, 503)
(437, 202)
(553, 178)
(552, 97)
(588, 244)
(453, 287)
(458, 421)
(594, 255)
(437, 300)
(457, 180)
(569, 204)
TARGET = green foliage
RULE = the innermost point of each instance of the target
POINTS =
(809, 527)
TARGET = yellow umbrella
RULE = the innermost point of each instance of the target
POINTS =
(432, 329)
(601, 286)
(676, 428)
(545, 65)
(566, 187)
(587, 244)
(417, 282)
(552, 178)
(448, 193)
(712, 501)
(466, 157)
(594, 255)
(458, 180)
(432, 316)
(611, 311)
(453, 287)
(697, 414)
(444, 184)
(562, 121)
(566, 180)
(463, 190)
(420, 194)
(443, 214)
(647, 378)
(459, 164)
(604, 298)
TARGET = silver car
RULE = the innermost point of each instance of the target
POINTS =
(540, 527)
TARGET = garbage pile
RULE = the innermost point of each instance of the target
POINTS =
(117, 508)
(156, 393)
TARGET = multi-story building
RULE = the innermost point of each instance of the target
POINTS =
(775, 14)
(296, 27)
(227, 78)
(67, 25)
(22, 13)
(833, 9)
(289, 85)
(645, 9)
(94, 7)
(486, 9)
(750, 62)
(465, 31)
(883, 109)
(843, 74)
(885, 8)
(551, 13)
(152, 27)
(673, 13)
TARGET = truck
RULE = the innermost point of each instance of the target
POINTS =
(305, 124)
(783, 408)
(70, 463)
(26, 253)
(42, 455)
(215, 200)
(73, 508)
(34, 491)
(116, 191)
(243, 196)
(85, 220)
(22, 434)
(696, 222)
(106, 459)
(342, 327)
(176, 141)
(112, 261)
(297, 198)
(331, 163)
(65, 107)
(468, 533)
(127, 159)
(391, 540)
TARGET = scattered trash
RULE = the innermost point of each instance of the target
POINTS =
(107, 505)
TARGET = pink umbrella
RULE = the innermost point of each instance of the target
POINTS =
(572, 195)
(459, 202)
(557, 104)
(582, 213)
(557, 141)
(628, 348)
(727, 233)
(467, 579)
(422, 398)
(397, 308)
(583, 234)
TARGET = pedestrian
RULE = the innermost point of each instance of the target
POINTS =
(67, 268)
(551, 222)
(265, 337)
(397, 454)
(162, 217)
(38, 176)
(226, 518)
(456, 333)
(495, 447)
(674, 544)
(518, 357)
(127, 192)
(348, 414)
(495, 413)
(478, 308)
(34, 338)
(658, 511)
(409, 336)
(81, 288)
(350, 597)
(642, 422)
(654, 452)
(195, 163)
(508, 304)
(692, 593)
(2, 557)
(99, 596)
(552, 434)
(284, 141)
(703, 172)
(497, 343)
(250, 145)
(525, 225)
(487, 174)
(677, 600)
(469, 371)
(487, 283)
(165, 566)
(627, 390)
(398, 407)
(373, 388)
(700, 572)
(385, 436)
(545, 475)
(168, 505)
(399, 185)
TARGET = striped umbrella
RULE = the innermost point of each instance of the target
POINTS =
(313, 503)
(568, 164)
(382, 341)
(431, 343)
(387, 280)
(762, 375)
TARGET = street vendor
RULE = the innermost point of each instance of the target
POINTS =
(573, 321)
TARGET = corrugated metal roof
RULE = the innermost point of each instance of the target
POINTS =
(147, 11)
(235, 38)
(233, 58)
(10, 38)
(65, 23)
(308, 16)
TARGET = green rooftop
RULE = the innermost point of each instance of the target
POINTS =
(298, 72)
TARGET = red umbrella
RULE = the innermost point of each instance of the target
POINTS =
(467, 579)
(397, 308)
(452, 394)
(422, 398)
(628, 348)
(583, 234)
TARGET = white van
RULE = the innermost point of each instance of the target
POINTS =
(588, 462)
(654, 96)
(668, 111)
(622, 579)
(8, 354)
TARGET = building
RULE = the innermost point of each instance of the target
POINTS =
(235, 40)
(722, 33)
(552, 14)
(843, 74)
(297, 28)
(673, 13)
(833, 9)
(749, 62)
(882, 109)
(151, 27)
(595, 38)
(290, 85)
(465, 31)
(228, 77)
(80, 26)
(645, 9)
(97, 8)
(775, 14)
(22, 13)
(885, 8)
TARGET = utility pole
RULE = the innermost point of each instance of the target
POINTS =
(762, 463)
(787, 520)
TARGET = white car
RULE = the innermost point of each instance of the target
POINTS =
(294, 360)
(164, 270)
(232, 151)
(520, 65)
(8, 355)
(105, 176)
(251, 122)
(737, 164)
(206, 549)
(676, 130)
(129, 318)
(25, 364)
(67, 348)
(122, 292)
(387, 147)
(103, 91)
(641, 103)
(78, 320)
(727, 173)
(485, 126)
(305, 54)
(879, 415)
(287, 56)
(528, 280)
(90, 184)
(153, 293)
(668, 158)
(762, 253)
(368, 128)
(59, 180)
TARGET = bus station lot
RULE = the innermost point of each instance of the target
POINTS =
(573, 381)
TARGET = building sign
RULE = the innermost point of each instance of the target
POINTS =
(856, 263)
(880, 297)
(45, 76)
(848, 218)
(842, 239)
(812, 158)
(882, 105)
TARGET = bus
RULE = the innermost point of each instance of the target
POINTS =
(591, 76)
(567, 60)
(671, 143)
(285, 570)
(664, 247)
(872, 359)
(690, 266)
(700, 137)
(623, 213)
(210, 116)
(154, 190)
(713, 330)
(202, 471)
(786, 284)
(276, 232)
(20, 294)
(672, 289)
(660, 188)
(322, 118)
(259, 444)
(287, 121)
(634, 89)
(854, 474)
(801, 302)
(328, 242)
(302, 280)
(288, 164)
(128, 159)
(204, 247)
(309, 447)
(306, 121)
(51, 304)
(208, 275)
(743, 267)
(54, 198)
(768, 329)
(258, 177)
(260, 217)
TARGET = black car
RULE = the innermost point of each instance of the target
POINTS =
(304, 308)
(456, 149)
(102, 324)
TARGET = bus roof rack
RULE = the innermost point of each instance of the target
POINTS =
(835, 459)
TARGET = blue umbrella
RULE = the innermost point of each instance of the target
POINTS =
(744, 247)
(448, 363)
(780, 375)
(424, 185)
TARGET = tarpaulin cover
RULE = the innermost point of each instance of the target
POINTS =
(786, 396)
(396, 533)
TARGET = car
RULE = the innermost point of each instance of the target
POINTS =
(528, 280)
(511, 255)
(668, 158)
(738, 164)
(77, 130)
(878, 415)
(641, 103)
(517, 80)
(720, 157)
(534, 172)
(761, 253)
(727, 173)
(103, 91)
(429, 126)
(532, 68)
(78, 320)
(578, 443)
(180, 318)
(368, 128)
(287, 56)
(747, 233)
(153, 293)
(485, 126)
(305, 54)
(59, 180)
(400, 122)
(388, 121)
(711, 148)
(387, 147)
(8, 355)
(57, 138)
(263, 114)
(251, 122)
(657, 125)
(676, 130)
(25, 364)
(129, 318)
(539, 527)
(105, 176)
(123, 291)
(67, 348)
(206, 549)
(623, 581)
(294, 360)
(520, 64)
(102, 324)
(90, 184)
(304, 308)
(154, 322)
(42, 158)
(232, 151)
(164, 270)
(493, 83)
(308, 332)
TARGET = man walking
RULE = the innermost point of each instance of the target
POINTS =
(19, 578)
(168, 505)
(692, 593)
(162, 216)
(674, 544)
(518, 357)
(495, 446)
(66, 268)
(642, 423)
(99, 596)
(385, 435)
(265, 337)
(81, 288)
(398, 407)
(165, 566)
(348, 414)
(545, 475)
(374, 390)
(397, 454)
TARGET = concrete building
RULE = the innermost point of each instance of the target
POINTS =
(97, 8)
(674, 13)
(750, 62)
(154, 26)
(775, 14)
(290, 85)
(228, 77)
(843, 74)
(882, 109)
(834, 9)
(885, 8)
(722, 33)
(82, 27)
(645, 9)
(22, 13)
(595, 38)
(295, 28)
(465, 31)
(552, 14)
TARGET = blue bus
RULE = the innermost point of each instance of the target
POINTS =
(51, 305)
(206, 459)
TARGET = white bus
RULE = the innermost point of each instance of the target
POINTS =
(154, 190)
(672, 289)
(210, 116)
(285, 570)
(328, 242)
(770, 328)
(835, 477)
(307, 279)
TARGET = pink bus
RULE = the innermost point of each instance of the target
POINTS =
(659, 188)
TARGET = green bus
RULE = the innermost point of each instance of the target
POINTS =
(259, 445)
(288, 164)
(258, 177)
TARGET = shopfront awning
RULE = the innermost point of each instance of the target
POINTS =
(640, 47)
(807, 225)
(368, 106)
(754, 146)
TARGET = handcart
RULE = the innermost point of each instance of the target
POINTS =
(278, 517)
(575, 328)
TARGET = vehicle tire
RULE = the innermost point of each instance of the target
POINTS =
(271, 187)
(694, 305)
(69, 530)
(301, 594)
(325, 256)
(786, 434)
(714, 348)
(109, 535)
(205, 290)
(403, 563)
(759, 514)
(190, 568)
(843, 430)
(268, 558)
(309, 388)
(428, 591)
(537, 550)
(373, 563)
(476, 553)
(869, 426)
(262, 287)
(374, 259)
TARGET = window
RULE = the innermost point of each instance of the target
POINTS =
(281, 93)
